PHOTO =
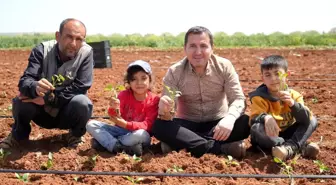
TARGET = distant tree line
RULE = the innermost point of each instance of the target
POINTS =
(167, 40)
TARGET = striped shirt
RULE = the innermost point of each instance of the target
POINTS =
(209, 97)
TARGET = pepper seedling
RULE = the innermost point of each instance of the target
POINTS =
(283, 85)
(3, 155)
(322, 167)
(175, 169)
(56, 81)
(49, 163)
(23, 178)
(173, 94)
(230, 162)
(134, 180)
(134, 158)
(114, 93)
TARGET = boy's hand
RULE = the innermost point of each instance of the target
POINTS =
(271, 127)
(286, 98)
(114, 103)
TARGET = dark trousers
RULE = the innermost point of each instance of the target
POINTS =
(296, 135)
(197, 137)
(73, 116)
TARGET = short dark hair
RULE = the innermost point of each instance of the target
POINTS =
(274, 61)
(65, 21)
(198, 30)
(131, 71)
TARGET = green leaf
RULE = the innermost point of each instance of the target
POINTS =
(108, 87)
(17, 176)
(25, 177)
(50, 156)
(76, 179)
(277, 160)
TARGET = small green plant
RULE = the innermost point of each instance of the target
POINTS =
(134, 158)
(76, 178)
(23, 178)
(114, 89)
(173, 94)
(174, 169)
(283, 84)
(322, 167)
(287, 168)
(3, 155)
(92, 160)
(134, 180)
(230, 162)
(47, 165)
(314, 100)
(56, 81)
(114, 93)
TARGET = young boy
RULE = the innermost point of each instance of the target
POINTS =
(279, 119)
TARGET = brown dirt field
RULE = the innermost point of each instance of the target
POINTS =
(304, 64)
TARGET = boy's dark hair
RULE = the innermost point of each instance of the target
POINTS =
(131, 71)
(198, 30)
(274, 61)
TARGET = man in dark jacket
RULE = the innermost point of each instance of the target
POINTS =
(53, 87)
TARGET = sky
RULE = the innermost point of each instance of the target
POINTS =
(173, 16)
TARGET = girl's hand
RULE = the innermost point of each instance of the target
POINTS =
(114, 103)
(271, 127)
(285, 97)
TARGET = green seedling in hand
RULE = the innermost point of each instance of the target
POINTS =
(3, 155)
(322, 167)
(283, 84)
(175, 169)
(114, 93)
(134, 180)
(230, 162)
(49, 163)
(56, 81)
(23, 178)
(173, 94)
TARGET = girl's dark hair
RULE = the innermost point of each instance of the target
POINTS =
(274, 61)
(131, 71)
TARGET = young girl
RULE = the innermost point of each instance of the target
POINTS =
(133, 114)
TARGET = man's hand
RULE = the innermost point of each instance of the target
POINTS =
(285, 97)
(271, 127)
(38, 101)
(165, 105)
(224, 128)
(43, 86)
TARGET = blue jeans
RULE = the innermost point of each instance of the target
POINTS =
(107, 135)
